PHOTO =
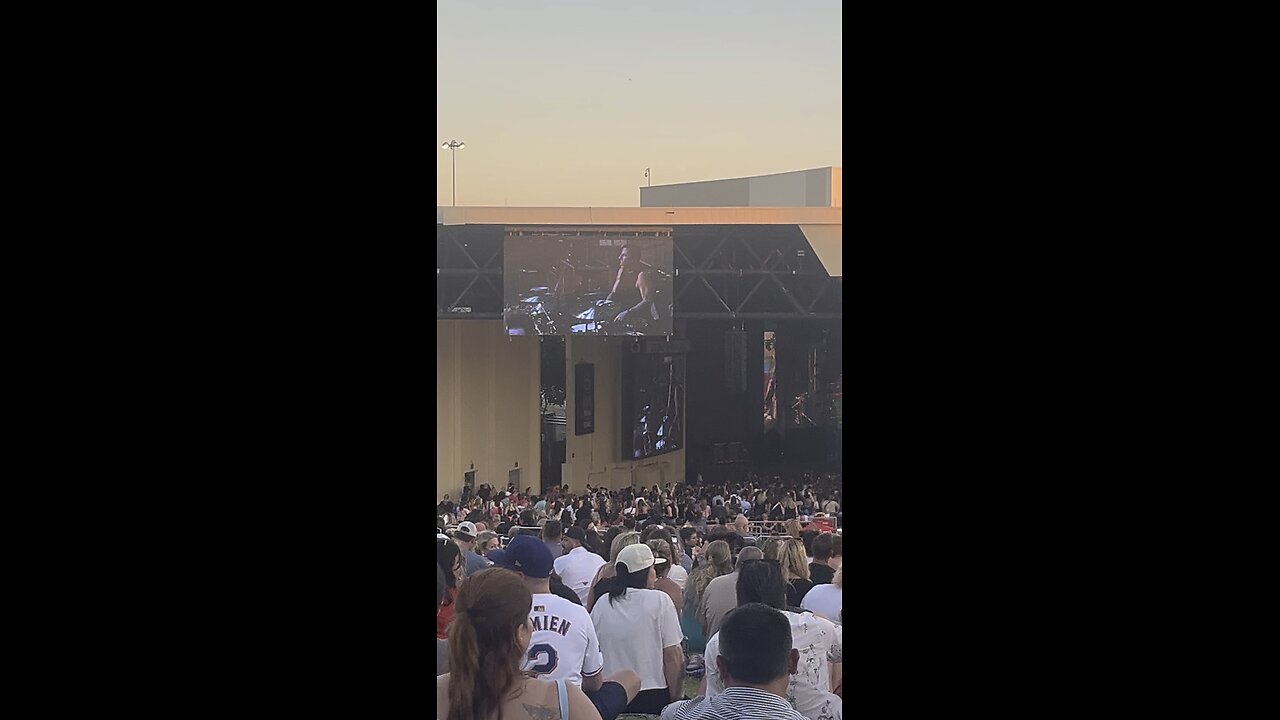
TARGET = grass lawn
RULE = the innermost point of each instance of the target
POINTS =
(690, 690)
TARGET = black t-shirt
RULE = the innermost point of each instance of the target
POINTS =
(796, 590)
(821, 574)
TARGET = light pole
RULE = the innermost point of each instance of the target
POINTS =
(453, 146)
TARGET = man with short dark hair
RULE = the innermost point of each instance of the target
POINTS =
(551, 537)
(756, 661)
(827, 556)
(578, 565)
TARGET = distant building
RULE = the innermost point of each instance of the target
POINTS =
(820, 187)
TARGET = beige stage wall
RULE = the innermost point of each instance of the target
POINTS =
(486, 405)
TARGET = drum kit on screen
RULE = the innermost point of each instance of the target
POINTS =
(587, 313)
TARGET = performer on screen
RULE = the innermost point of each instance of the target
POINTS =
(633, 287)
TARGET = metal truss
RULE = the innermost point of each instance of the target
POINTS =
(751, 273)
(721, 272)
(468, 272)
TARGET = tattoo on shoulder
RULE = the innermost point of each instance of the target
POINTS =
(542, 712)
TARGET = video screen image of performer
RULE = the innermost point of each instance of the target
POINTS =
(659, 407)
(583, 284)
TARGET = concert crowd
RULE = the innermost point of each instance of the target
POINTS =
(683, 602)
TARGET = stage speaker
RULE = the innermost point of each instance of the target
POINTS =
(735, 361)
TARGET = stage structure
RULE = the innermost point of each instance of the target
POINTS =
(734, 274)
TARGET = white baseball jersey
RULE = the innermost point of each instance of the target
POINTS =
(564, 645)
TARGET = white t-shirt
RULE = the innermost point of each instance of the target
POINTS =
(576, 568)
(826, 600)
(564, 645)
(678, 575)
(633, 632)
(809, 690)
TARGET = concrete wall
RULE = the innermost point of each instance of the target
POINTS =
(595, 459)
(486, 405)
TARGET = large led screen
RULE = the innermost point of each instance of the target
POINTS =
(587, 283)
(653, 395)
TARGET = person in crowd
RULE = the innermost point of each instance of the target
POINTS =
(831, 507)
(442, 646)
(773, 548)
(564, 645)
(465, 537)
(690, 545)
(719, 513)
(488, 645)
(716, 561)
(661, 549)
(678, 573)
(827, 600)
(794, 571)
(815, 639)
(578, 565)
(721, 595)
(755, 662)
(607, 570)
(740, 524)
(793, 528)
(551, 535)
(638, 629)
(449, 560)
(613, 532)
(487, 540)
(807, 536)
(827, 556)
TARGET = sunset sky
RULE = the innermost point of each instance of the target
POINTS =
(566, 103)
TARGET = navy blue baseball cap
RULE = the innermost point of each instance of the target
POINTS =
(527, 555)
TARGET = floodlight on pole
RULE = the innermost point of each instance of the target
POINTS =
(452, 146)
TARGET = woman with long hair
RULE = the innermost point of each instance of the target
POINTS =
(449, 560)
(795, 571)
(715, 561)
(661, 548)
(638, 630)
(492, 627)
(607, 570)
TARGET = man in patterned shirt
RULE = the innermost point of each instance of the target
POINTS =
(755, 662)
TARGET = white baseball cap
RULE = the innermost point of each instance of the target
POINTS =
(466, 529)
(638, 557)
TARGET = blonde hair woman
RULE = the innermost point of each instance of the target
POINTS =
(607, 570)
(795, 571)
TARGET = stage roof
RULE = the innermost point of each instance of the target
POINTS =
(822, 226)
(639, 216)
